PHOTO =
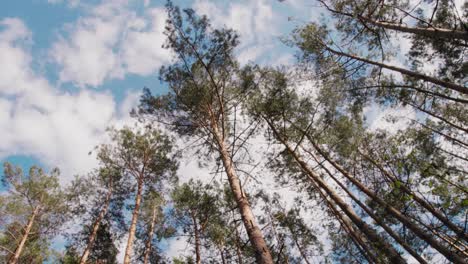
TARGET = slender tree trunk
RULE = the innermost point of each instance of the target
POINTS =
(449, 254)
(434, 32)
(238, 250)
(221, 252)
(406, 72)
(197, 239)
(262, 253)
(96, 225)
(356, 236)
(150, 235)
(438, 117)
(377, 219)
(131, 233)
(431, 32)
(299, 247)
(370, 233)
(24, 238)
(460, 232)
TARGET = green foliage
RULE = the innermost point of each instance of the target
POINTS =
(35, 192)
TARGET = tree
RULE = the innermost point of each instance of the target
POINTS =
(202, 100)
(195, 207)
(143, 155)
(36, 207)
(153, 227)
(104, 196)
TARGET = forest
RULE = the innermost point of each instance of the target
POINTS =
(331, 189)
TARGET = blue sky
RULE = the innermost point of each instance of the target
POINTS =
(71, 68)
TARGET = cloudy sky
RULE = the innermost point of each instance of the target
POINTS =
(71, 68)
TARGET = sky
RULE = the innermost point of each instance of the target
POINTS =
(71, 68)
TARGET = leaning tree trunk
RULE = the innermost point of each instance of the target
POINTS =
(431, 32)
(262, 253)
(197, 239)
(370, 233)
(24, 238)
(417, 75)
(96, 225)
(131, 233)
(377, 219)
(449, 254)
(150, 235)
(238, 250)
(27, 231)
(434, 211)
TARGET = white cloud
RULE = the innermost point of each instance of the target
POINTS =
(389, 119)
(255, 21)
(37, 119)
(87, 57)
(109, 42)
(142, 51)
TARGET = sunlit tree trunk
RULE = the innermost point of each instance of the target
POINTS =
(24, 238)
(449, 254)
(131, 233)
(96, 224)
(150, 235)
(417, 75)
(434, 211)
(197, 238)
(262, 253)
(370, 233)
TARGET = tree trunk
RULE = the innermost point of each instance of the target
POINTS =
(238, 250)
(221, 252)
(450, 255)
(460, 232)
(131, 233)
(431, 32)
(96, 225)
(406, 72)
(370, 233)
(197, 239)
(356, 236)
(377, 219)
(150, 236)
(27, 230)
(262, 253)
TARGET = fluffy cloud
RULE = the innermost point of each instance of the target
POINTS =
(37, 119)
(110, 42)
(255, 21)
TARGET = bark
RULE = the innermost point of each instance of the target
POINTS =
(431, 32)
(150, 235)
(131, 233)
(417, 75)
(197, 239)
(299, 247)
(221, 252)
(377, 219)
(449, 254)
(24, 238)
(238, 250)
(356, 236)
(459, 231)
(96, 225)
(370, 233)
(438, 117)
(262, 253)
